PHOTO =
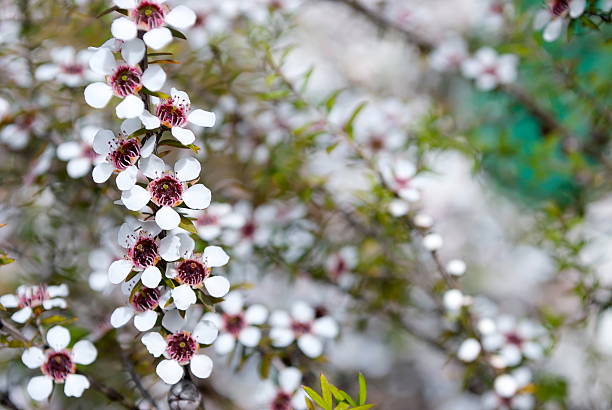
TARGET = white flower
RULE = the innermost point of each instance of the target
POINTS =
(398, 174)
(119, 154)
(340, 265)
(181, 346)
(141, 307)
(490, 69)
(285, 392)
(58, 364)
(552, 19)
(79, 154)
(125, 81)
(449, 54)
(509, 393)
(454, 300)
(237, 323)
(255, 231)
(194, 272)
(302, 325)
(469, 350)
(150, 16)
(168, 190)
(456, 267)
(211, 222)
(29, 298)
(433, 242)
(175, 112)
(67, 67)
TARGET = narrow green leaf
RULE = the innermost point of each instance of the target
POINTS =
(343, 406)
(158, 94)
(309, 404)
(176, 144)
(364, 407)
(327, 396)
(165, 61)
(158, 54)
(314, 396)
(348, 127)
(177, 33)
(330, 102)
(56, 319)
(362, 389)
(5, 260)
(187, 224)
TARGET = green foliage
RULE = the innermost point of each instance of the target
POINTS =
(332, 398)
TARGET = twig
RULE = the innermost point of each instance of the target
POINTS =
(110, 393)
(13, 332)
(129, 366)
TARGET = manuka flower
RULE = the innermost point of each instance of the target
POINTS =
(552, 19)
(490, 69)
(67, 67)
(150, 16)
(168, 190)
(284, 394)
(194, 272)
(304, 325)
(211, 222)
(511, 392)
(399, 175)
(181, 346)
(33, 299)
(142, 304)
(79, 154)
(58, 364)
(237, 323)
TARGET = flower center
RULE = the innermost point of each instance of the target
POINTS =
(126, 154)
(58, 366)
(171, 114)
(513, 338)
(144, 253)
(207, 219)
(74, 69)
(233, 324)
(125, 80)
(181, 347)
(145, 299)
(248, 229)
(192, 272)
(148, 15)
(300, 328)
(558, 7)
(282, 401)
(166, 191)
(33, 296)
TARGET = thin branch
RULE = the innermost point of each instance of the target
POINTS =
(129, 367)
(110, 393)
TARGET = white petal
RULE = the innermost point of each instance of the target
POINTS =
(505, 385)
(217, 286)
(325, 327)
(124, 29)
(155, 343)
(133, 51)
(121, 316)
(68, 150)
(157, 38)
(202, 118)
(102, 141)
(281, 337)
(302, 312)
(97, 95)
(136, 198)
(184, 135)
(130, 107)
(201, 366)
(145, 320)
(187, 169)
(126, 179)
(40, 387)
(84, 352)
(167, 218)
(173, 321)
(205, 332)
(147, 148)
(250, 336)
(22, 316)
(181, 17)
(577, 7)
(215, 256)
(280, 318)
(125, 4)
(187, 245)
(169, 371)
(469, 350)
(58, 291)
(224, 344)
(553, 30)
(154, 77)
(233, 303)
(102, 61)
(46, 72)
(33, 357)
(58, 337)
(75, 385)
(119, 270)
(169, 248)
(197, 197)
(310, 345)
(151, 277)
(256, 315)
(9, 301)
(130, 126)
(153, 166)
(183, 297)
(78, 167)
(289, 379)
(149, 120)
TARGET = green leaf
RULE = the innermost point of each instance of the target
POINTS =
(343, 406)
(327, 396)
(330, 102)
(347, 398)
(348, 127)
(364, 407)
(5, 341)
(309, 404)
(158, 94)
(264, 366)
(187, 224)
(110, 10)
(57, 319)
(5, 259)
(176, 144)
(315, 396)
(158, 54)
(177, 34)
(165, 61)
(362, 389)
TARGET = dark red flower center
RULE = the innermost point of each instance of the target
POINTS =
(166, 191)
(248, 229)
(233, 324)
(282, 401)
(58, 366)
(192, 272)
(33, 296)
(126, 154)
(514, 339)
(148, 15)
(300, 328)
(74, 69)
(181, 347)
(144, 253)
(145, 299)
(171, 114)
(558, 7)
(125, 80)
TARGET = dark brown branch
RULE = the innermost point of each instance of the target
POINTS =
(110, 393)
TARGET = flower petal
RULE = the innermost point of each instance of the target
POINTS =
(58, 337)
(147, 148)
(256, 315)
(130, 107)
(167, 218)
(217, 286)
(169, 371)
(154, 77)
(310, 345)
(181, 17)
(102, 142)
(124, 29)
(149, 120)
(250, 336)
(155, 343)
(184, 135)
(233, 303)
(197, 197)
(302, 312)
(78, 167)
(152, 167)
(187, 169)
(553, 30)
(215, 256)
(201, 366)
(22, 315)
(202, 118)
(126, 179)
(33, 357)
(75, 385)
(281, 337)
(157, 38)
(133, 51)
(325, 327)
(169, 248)
(145, 321)
(151, 277)
(136, 198)
(40, 387)
(225, 343)
(97, 95)
(102, 61)
(118, 271)
(121, 316)
(289, 379)
(183, 297)
(205, 332)
(84, 352)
